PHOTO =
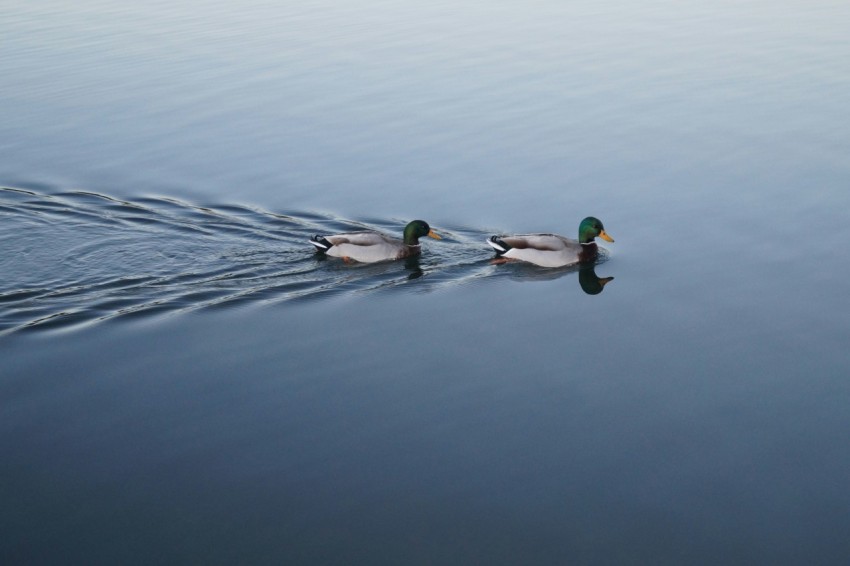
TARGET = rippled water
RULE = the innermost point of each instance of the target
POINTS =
(87, 257)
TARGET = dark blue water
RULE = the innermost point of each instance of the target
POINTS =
(183, 380)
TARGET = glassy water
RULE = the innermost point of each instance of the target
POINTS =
(184, 380)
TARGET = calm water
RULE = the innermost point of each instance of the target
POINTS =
(183, 380)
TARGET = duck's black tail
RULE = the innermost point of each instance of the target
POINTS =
(498, 244)
(322, 244)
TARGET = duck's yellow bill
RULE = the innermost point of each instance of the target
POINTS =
(437, 236)
(604, 235)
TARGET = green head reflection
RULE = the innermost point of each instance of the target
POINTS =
(591, 283)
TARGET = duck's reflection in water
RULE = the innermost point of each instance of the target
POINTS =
(589, 281)
(411, 264)
(442, 273)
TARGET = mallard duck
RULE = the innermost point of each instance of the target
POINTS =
(551, 250)
(370, 246)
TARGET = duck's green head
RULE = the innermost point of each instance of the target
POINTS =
(591, 228)
(417, 229)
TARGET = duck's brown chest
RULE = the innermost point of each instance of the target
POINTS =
(588, 253)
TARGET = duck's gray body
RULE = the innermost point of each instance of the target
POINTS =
(366, 246)
(545, 250)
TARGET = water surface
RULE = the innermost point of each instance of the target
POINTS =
(183, 380)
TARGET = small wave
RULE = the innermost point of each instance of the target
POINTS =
(77, 258)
